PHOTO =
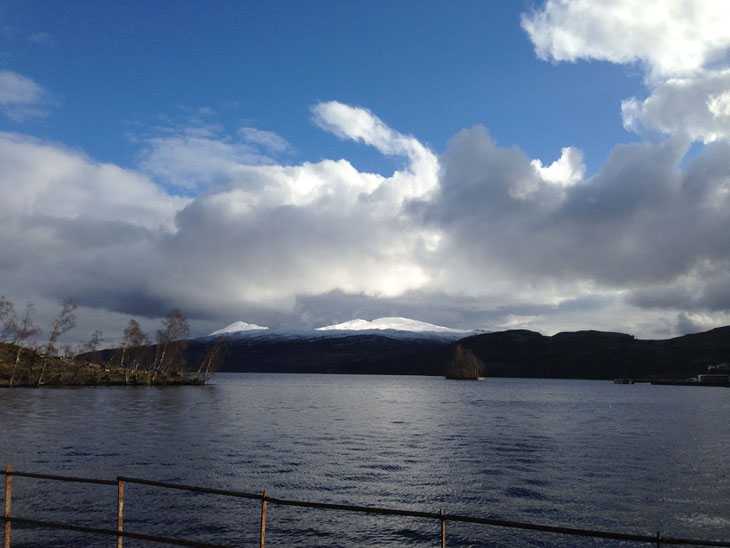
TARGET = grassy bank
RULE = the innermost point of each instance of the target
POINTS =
(26, 367)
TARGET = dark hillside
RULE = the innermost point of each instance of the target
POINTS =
(598, 355)
(362, 354)
(515, 353)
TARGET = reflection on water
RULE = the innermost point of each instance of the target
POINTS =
(633, 458)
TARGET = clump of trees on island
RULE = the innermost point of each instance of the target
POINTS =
(26, 359)
(464, 364)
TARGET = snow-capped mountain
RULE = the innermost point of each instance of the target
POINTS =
(237, 327)
(394, 323)
(382, 346)
(392, 327)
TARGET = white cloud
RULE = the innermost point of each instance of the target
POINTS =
(268, 139)
(697, 107)
(719, 104)
(683, 46)
(670, 37)
(194, 158)
(42, 179)
(21, 97)
(360, 124)
(566, 170)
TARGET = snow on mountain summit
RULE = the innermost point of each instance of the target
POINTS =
(236, 327)
(396, 327)
(399, 324)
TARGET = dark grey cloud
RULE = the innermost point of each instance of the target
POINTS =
(641, 220)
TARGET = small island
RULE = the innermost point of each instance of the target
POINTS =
(464, 365)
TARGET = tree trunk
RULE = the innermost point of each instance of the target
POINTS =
(159, 364)
(15, 366)
(43, 370)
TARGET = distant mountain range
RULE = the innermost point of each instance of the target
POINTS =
(409, 347)
(382, 346)
(395, 324)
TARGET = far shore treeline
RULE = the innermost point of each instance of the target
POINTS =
(513, 353)
(28, 358)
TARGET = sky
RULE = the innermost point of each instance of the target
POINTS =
(548, 165)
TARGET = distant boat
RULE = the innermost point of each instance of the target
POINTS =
(623, 380)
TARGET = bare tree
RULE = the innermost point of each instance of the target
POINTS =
(141, 356)
(134, 338)
(21, 329)
(211, 360)
(65, 321)
(171, 342)
(90, 346)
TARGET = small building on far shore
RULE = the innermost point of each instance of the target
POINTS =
(715, 379)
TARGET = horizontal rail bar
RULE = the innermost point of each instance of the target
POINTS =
(58, 478)
(113, 532)
(193, 488)
(433, 515)
(586, 532)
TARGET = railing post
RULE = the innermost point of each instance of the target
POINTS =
(443, 529)
(8, 496)
(263, 519)
(120, 511)
(658, 540)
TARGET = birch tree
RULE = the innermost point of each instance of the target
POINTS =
(65, 321)
(171, 342)
(134, 338)
(90, 347)
(211, 360)
(20, 330)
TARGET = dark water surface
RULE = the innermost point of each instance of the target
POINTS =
(590, 454)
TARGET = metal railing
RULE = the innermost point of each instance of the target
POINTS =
(265, 499)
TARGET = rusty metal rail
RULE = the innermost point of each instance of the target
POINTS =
(265, 499)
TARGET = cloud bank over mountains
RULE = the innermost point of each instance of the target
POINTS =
(479, 236)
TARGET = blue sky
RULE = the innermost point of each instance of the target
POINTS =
(297, 164)
(428, 69)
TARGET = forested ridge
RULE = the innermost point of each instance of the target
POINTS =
(514, 353)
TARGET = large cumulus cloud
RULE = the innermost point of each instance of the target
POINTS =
(639, 224)
(259, 236)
